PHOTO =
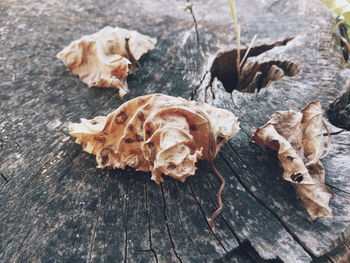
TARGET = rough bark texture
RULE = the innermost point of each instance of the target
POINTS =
(57, 207)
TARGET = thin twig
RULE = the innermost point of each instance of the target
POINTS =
(220, 205)
(190, 8)
(346, 42)
(249, 48)
(334, 133)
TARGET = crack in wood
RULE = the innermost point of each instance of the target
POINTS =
(125, 222)
(204, 215)
(251, 253)
(245, 248)
(4, 177)
(167, 225)
(245, 163)
(182, 208)
(40, 170)
(151, 249)
(78, 153)
(48, 235)
(196, 88)
(18, 145)
(3, 143)
(17, 253)
(256, 175)
(339, 189)
(325, 257)
(294, 236)
(91, 243)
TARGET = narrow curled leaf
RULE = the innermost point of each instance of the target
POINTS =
(298, 138)
(157, 133)
(105, 58)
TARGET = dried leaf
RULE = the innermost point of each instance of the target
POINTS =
(105, 58)
(298, 138)
(157, 133)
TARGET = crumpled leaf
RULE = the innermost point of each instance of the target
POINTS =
(105, 58)
(298, 138)
(157, 133)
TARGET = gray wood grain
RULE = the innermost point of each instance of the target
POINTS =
(57, 207)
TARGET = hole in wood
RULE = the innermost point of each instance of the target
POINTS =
(338, 111)
(254, 75)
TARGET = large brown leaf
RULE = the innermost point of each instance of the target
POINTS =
(157, 133)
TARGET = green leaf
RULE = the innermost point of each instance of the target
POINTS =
(346, 16)
(340, 7)
(328, 3)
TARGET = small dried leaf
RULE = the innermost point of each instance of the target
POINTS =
(105, 58)
(298, 138)
(157, 133)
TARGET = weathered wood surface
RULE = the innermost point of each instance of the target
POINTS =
(57, 207)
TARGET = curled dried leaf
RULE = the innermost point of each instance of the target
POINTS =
(105, 58)
(157, 133)
(298, 138)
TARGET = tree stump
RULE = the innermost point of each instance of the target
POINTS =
(56, 206)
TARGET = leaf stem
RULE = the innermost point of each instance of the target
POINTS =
(220, 205)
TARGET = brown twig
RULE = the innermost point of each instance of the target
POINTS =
(334, 133)
(346, 42)
(134, 63)
(220, 205)
(190, 8)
